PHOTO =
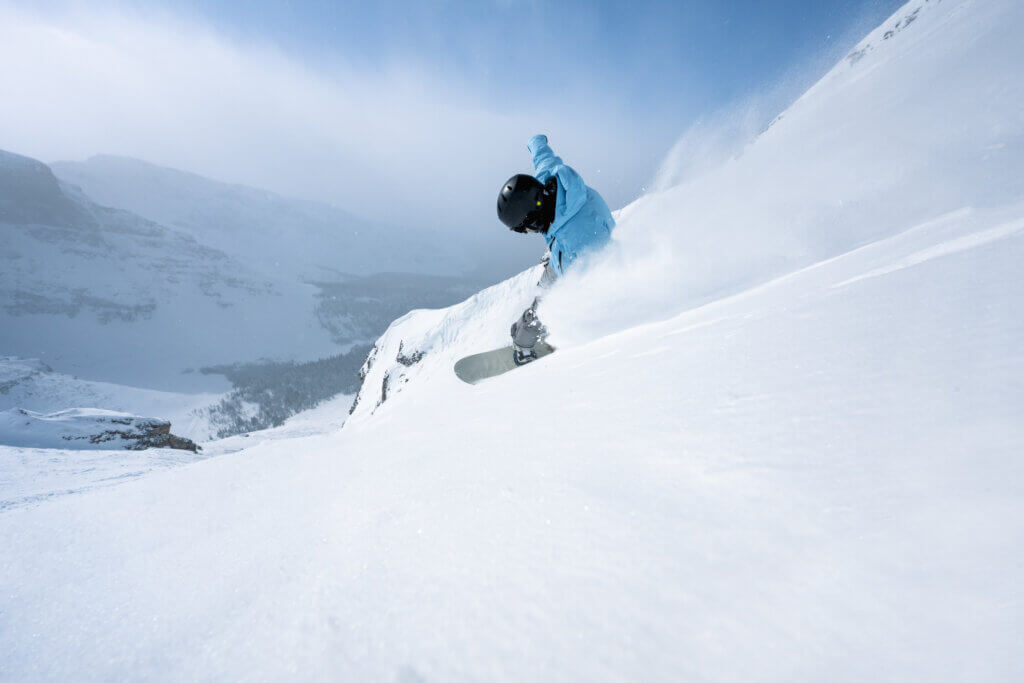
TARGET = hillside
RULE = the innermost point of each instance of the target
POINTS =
(111, 296)
(780, 440)
(921, 119)
(287, 237)
(219, 275)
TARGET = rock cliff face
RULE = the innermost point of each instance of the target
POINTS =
(88, 428)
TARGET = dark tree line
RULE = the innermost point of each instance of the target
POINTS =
(268, 393)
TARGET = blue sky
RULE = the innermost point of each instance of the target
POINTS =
(651, 58)
(375, 105)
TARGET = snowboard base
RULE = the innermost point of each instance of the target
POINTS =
(481, 366)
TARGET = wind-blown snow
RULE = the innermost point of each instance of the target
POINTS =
(923, 117)
(814, 478)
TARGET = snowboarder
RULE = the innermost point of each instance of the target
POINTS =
(572, 217)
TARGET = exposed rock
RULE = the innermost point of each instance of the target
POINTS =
(88, 428)
(422, 340)
(408, 360)
(384, 389)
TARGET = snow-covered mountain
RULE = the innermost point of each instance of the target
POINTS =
(787, 446)
(240, 275)
(109, 295)
(277, 235)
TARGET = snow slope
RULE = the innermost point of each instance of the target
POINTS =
(426, 344)
(816, 477)
(32, 476)
(923, 117)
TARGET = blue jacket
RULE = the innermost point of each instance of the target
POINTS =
(582, 219)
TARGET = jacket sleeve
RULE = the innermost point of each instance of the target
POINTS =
(544, 160)
(570, 183)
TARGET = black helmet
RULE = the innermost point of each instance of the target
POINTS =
(524, 205)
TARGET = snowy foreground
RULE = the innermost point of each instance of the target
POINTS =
(819, 479)
(818, 476)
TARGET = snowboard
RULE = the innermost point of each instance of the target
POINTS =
(481, 366)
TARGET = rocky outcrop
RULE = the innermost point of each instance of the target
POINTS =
(408, 359)
(137, 434)
(88, 428)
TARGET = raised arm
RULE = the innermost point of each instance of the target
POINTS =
(544, 160)
(571, 185)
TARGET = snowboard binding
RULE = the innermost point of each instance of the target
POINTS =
(522, 356)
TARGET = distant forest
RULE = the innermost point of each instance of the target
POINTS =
(268, 393)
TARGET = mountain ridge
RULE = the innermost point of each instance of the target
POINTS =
(298, 238)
